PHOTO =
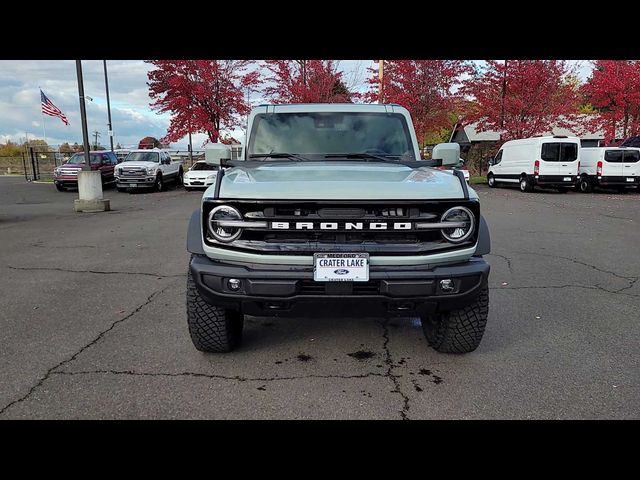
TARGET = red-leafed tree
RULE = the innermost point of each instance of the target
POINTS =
(522, 98)
(427, 88)
(149, 143)
(305, 81)
(201, 95)
(613, 90)
(228, 140)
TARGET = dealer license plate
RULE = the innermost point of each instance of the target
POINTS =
(567, 179)
(341, 267)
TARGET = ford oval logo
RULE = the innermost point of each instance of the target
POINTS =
(341, 271)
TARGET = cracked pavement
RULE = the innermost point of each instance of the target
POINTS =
(93, 322)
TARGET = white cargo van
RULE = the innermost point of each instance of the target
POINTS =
(609, 167)
(547, 162)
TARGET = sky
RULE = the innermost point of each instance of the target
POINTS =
(132, 118)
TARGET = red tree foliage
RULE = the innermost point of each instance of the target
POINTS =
(149, 143)
(305, 81)
(613, 89)
(525, 98)
(424, 87)
(201, 95)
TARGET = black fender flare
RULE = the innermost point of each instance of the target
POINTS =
(194, 235)
(484, 238)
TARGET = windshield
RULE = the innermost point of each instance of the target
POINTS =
(323, 133)
(142, 157)
(203, 166)
(78, 158)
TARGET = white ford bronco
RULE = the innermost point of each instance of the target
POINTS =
(330, 211)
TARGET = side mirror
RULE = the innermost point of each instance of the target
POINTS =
(447, 153)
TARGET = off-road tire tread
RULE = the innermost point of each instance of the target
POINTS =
(460, 331)
(212, 328)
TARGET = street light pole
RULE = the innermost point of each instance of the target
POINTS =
(106, 84)
(83, 116)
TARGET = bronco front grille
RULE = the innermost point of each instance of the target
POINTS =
(376, 227)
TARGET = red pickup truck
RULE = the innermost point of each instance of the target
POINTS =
(66, 175)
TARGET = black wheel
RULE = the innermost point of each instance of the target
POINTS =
(458, 331)
(212, 328)
(491, 181)
(60, 188)
(158, 185)
(526, 185)
(180, 180)
(585, 185)
(121, 189)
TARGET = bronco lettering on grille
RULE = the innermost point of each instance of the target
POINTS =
(341, 226)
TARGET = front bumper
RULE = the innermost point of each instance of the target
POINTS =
(289, 290)
(610, 181)
(197, 183)
(556, 180)
(129, 182)
(66, 181)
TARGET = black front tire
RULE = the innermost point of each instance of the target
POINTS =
(491, 181)
(212, 328)
(180, 180)
(585, 185)
(60, 188)
(458, 331)
(158, 185)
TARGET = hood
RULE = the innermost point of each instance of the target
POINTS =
(342, 180)
(75, 166)
(138, 164)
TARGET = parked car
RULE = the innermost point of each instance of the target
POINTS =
(66, 175)
(609, 167)
(201, 174)
(148, 168)
(546, 162)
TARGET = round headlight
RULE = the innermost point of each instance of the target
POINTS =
(224, 234)
(464, 224)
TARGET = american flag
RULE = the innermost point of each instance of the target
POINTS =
(48, 108)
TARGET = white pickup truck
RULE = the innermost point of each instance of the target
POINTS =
(150, 168)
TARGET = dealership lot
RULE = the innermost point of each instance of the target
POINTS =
(93, 322)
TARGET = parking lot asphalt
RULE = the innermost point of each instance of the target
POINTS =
(93, 322)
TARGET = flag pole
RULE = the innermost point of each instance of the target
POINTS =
(44, 131)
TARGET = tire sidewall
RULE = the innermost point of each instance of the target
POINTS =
(491, 181)
(524, 184)
(584, 185)
(159, 183)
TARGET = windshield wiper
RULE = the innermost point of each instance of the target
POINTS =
(279, 155)
(368, 156)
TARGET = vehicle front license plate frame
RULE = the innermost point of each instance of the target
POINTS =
(343, 267)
